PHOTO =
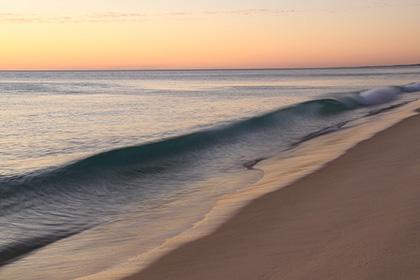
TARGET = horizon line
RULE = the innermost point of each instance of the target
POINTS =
(210, 69)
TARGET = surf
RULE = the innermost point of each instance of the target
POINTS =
(102, 183)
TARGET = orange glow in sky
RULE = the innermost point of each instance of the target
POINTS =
(131, 34)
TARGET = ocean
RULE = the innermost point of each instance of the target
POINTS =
(98, 168)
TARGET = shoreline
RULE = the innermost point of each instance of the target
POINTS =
(148, 196)
(166, 262)
(275, 172)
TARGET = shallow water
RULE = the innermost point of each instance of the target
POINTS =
(107, 165)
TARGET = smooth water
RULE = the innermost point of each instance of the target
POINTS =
(107, 165)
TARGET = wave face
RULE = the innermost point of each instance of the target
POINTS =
(55, 203)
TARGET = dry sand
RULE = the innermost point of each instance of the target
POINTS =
(356, 218)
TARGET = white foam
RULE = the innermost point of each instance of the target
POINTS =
(412, 87)
(378, 95)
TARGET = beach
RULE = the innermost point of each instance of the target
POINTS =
(118, 191)
(355, 218)
(209, 140)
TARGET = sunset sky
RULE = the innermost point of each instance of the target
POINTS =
(152, 34)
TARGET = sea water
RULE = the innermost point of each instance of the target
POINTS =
(100, 167)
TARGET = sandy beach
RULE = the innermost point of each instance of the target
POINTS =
(356, 218)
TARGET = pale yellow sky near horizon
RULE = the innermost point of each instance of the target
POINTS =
(130, 34)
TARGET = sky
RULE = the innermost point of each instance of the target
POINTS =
(186, 34)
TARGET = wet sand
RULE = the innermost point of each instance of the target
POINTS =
(356, 218)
